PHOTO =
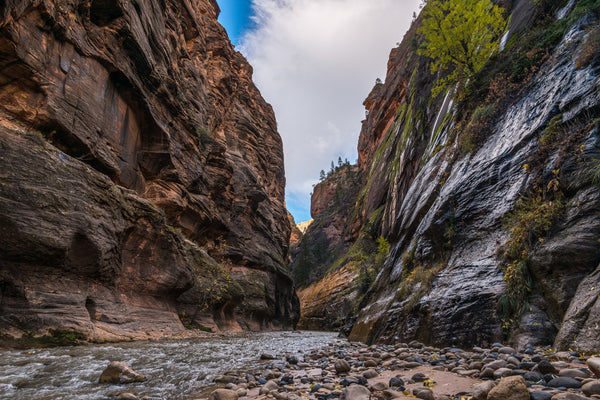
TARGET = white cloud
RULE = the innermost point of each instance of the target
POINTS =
(315, 61)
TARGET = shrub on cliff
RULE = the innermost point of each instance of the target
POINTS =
(460, 35)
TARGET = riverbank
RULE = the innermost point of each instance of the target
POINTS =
(355, 371)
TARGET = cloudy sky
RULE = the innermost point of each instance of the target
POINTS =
(315, 61)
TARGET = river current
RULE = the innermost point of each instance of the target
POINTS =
(176, 369)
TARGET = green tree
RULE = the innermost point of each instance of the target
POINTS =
(322, 176)
(460, 35)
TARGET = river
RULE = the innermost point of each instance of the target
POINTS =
(176, 369)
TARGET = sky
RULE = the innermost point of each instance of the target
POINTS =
(315, 61)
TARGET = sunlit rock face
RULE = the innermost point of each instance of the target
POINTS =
(142, 174)
(455, 199)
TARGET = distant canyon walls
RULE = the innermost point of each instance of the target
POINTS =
(141, 174)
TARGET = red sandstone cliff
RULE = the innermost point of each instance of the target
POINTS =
(136, 151)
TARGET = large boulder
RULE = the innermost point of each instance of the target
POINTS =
(119, 372)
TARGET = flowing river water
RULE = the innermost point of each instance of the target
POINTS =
(176, 369)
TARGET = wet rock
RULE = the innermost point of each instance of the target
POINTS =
(267, 356)
(341, 366)
(510, 388)
(565, 382)
(480, 391)
(118, 372)
(593, 364)
(269, 387)
(223, 394)
(591, 388)
(225, 379)
(355, 392)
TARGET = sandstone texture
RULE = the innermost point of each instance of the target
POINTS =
(141, 174)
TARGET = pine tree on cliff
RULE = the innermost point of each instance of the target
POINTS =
(460, 36)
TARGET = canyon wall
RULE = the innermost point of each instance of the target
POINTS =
(142, 180)
(489, 197)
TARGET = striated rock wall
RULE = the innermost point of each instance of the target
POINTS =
(150, 98)
(459, 199)
(487, 197)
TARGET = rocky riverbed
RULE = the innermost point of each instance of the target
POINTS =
(355, 371)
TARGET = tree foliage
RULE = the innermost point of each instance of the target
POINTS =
(460, 35)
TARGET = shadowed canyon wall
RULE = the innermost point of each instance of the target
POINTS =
(141, 174)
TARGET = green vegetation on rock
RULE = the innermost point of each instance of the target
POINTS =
(460, 36)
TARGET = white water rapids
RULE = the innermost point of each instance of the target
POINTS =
(176, 369)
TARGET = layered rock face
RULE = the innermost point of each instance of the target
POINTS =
(325, 301)
(488, 198)
(136, 152)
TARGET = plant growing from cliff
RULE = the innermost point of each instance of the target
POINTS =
(531, 219)
(460, 35)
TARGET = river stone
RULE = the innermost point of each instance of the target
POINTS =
(267, 356)
(370, 373)
(392, 394)
(544, 367)
(223, 394)
(502, 372)
(480, 392)
(355, 392)
(341, 366)
(396, 381)
(507, 350)
(378, 387)
(591, 388)
(533, 376)
(370, 364)
(573, 373)
(510, 388)
(419, 377)
(423, 393)
(497, 364)
(118, 372)
(564, 381)
(568, 396)
(540, 395)
(225, 379)
(593, 364)
(269, 387)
